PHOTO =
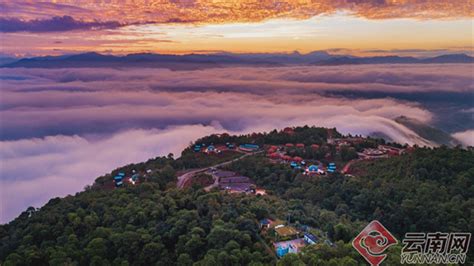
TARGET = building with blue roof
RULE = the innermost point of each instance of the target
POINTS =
(282, 251)
(290, 246)
(197, 148)
(310, 238)
(331, 167)
(313, 168)
(249, 147)
(211, 148)
(265, 223)
(118, 179)
(135, 177)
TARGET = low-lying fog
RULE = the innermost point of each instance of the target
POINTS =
(61, 128)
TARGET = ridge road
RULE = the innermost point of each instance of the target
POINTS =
(184, 177)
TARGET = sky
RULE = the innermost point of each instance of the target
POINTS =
(410, 27)
(61, 128)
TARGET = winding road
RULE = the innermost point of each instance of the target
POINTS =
(182, 179)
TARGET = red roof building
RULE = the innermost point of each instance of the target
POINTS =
(289, 145)
(272, 149)
(297, 159)
(221, 147)
(393, 152)
(315, 146)
(300, 145)
(288, 130)
(274, 155)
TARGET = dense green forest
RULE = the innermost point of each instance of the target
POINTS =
(142, 225)
(427, 190)
(154, 223)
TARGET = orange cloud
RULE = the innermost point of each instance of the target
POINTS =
(219, 11)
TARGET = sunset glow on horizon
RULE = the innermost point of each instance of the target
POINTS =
(416, 28)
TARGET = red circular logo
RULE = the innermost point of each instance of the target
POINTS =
(372, 242)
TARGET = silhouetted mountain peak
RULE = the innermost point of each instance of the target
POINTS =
(450, 58)
(93, 59)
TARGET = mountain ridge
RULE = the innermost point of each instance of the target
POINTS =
(157, 222)
(427, 132)
(94, 59)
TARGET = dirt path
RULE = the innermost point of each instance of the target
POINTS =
(213, 185)
(347, 167)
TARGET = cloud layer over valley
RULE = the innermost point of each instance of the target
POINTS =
(61, 128)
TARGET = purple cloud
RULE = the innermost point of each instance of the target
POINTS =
(465, 137)
(42, 102)
(65, 164)
(61, 128)
(54, 24)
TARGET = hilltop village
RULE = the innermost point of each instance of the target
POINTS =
(313, 159)
(326, 153)
(296, 196)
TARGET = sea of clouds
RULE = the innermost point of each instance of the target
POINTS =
(61, 128)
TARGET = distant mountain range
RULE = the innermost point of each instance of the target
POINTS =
(7, 60)
(192, 61)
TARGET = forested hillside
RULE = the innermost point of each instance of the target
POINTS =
(427, 190)
(141, 225)
(154, 223)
